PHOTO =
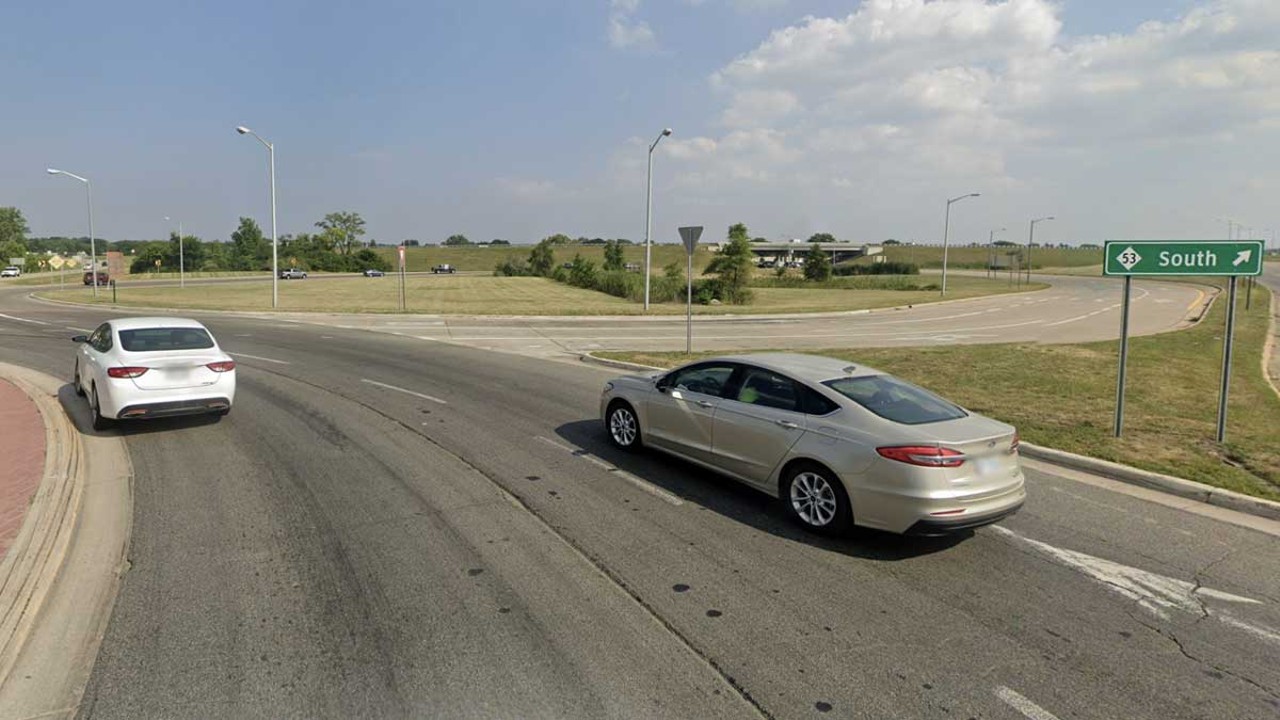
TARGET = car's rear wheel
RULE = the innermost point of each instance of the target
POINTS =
(75, 383)
(623, 426)
(815, 498)
(100, 422)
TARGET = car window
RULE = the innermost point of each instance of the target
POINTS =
(101, 338)
(761, 387)
(813, 403)
(162, 338)
(709, 379)
(895, 400)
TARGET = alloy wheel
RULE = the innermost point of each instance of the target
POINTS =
(813, 499)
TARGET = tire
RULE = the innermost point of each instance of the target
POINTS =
(623, 426)
(816, 500)
(99, 421)
(75, 383)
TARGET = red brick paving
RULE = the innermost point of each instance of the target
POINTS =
(21, 459)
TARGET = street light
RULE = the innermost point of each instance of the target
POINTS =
(93, 247)
(275, 271)
(648, 215)
(1031, 241)
(1229, 223)
(991, 250)
(946, 232)
(182, 265)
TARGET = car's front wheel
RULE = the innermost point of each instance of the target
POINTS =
(75, 383)
(623, 426)
(100, 421)
(816, 499)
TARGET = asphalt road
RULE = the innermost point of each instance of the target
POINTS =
(387, 527)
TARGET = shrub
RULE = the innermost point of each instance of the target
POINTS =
(512, 267)
(884, 268)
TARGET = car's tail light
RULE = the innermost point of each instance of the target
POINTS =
(127, 372)
(923, 455)
(223, 366)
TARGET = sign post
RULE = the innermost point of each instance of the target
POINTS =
(690, 237)
(400, 252)
(1231, 258)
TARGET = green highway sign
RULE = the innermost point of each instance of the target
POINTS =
(1182, 257)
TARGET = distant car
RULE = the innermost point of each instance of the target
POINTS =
(11, 271)
(103, 278)
(840, 444)
(151, 367)
(293, 274)
(444, 268)
(373, 272)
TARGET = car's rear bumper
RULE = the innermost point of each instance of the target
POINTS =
(174, 408)
(933, 527)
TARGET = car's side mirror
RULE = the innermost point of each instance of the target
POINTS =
(662, 384)
(80, 339)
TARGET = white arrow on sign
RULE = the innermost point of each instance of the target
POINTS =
(1242, 257)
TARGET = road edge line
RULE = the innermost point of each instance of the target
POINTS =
(1269, 345)
(1169, 484)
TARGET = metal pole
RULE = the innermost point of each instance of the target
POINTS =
(93, 246)
(991, 257)
(275, 270)
(946, 232)
(688, 309)
(1031, 239)
(1124, 355)
(1226, 362)
(648, 212)
(182, 263)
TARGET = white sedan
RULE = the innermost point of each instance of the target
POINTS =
(149, 367)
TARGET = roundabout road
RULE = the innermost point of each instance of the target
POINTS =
(386, 527)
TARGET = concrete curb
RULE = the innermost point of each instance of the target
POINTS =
(77, 535)
(33, 563)
(1269, 347)
(1156, 481)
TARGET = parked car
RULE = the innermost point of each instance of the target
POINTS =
(103, 277)
(150, 367)
(444, 268)
(293, 274)
(840, 444)
(11, 271)
(373, 272)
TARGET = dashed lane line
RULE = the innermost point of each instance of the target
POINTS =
(616, 471)
(405, 391)
(25, 320)
(263, 359)
(1023, 705)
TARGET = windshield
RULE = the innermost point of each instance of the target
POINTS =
(893, 399)
(152, 339)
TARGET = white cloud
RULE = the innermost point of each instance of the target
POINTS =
(624, 30)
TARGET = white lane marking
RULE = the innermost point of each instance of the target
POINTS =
(33, 322)
(1254, 630)
(83, 330)
(616, 471)
(1156, 593)
(406, 392)
(326, 337)
(255, 357)
(245, 335)
(1023, 705)
(903, 334)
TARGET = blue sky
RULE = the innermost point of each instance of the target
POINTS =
(519, 119)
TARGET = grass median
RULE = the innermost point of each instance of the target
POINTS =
(1063, 396)
(490, 295)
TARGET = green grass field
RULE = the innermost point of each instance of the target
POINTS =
(1063, 396)
(489, 295)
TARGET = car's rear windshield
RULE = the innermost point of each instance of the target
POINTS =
(163, 338)
(893, 399)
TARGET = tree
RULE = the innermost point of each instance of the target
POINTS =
(498, 241)
(613, 256)
(733, 266)
(738, 231)
(558, 239)
(891, 241)
(759, 240)
(542, 259)
(344, 230)
(456, 241)
(817, 264)
(13, 229)
(822, 238)
(250, 249)
(411, 243)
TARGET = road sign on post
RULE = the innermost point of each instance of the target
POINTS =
(400, 252)
(1225, 258)
(689, 235)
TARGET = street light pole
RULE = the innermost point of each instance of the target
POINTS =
(1031, 239)
(93, 247)
(275, 255)
(991, 250)
(946, 232)
(182, 265)
(648, 216)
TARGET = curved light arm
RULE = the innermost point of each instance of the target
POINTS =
(246, 131)
(665, 132)
(963, 197)
(51, 171)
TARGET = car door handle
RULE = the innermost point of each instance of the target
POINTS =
(706, 404)
(787, 424)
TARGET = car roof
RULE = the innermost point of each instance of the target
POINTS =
(135, 323)
(811, 368)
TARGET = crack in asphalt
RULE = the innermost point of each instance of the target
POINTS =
(1177, 642)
